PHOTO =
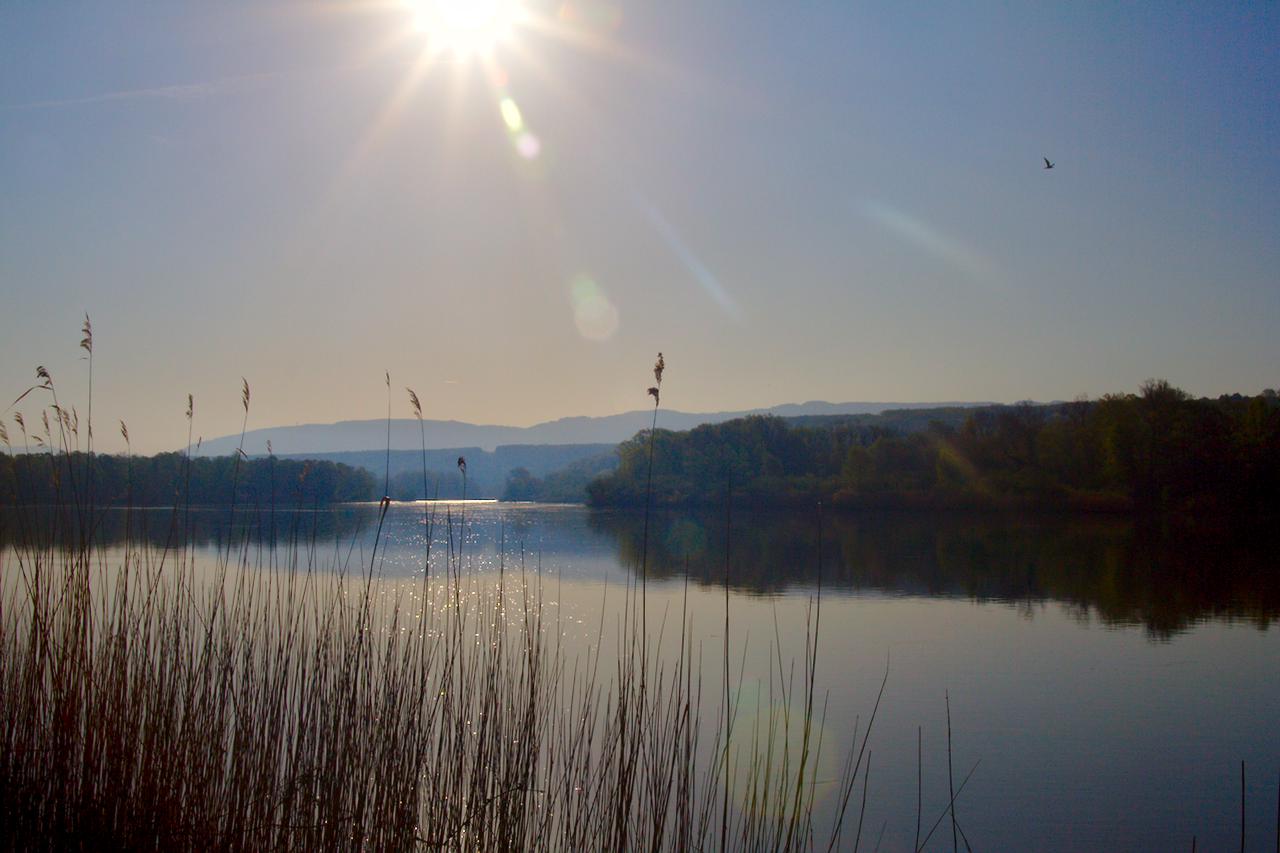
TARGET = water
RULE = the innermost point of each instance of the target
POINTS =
(1105, 679)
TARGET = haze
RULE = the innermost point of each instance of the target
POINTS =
(791, 201)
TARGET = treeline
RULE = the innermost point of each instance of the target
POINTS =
(568, 485)
(487, 470)
(172, 479)
(1155, 451)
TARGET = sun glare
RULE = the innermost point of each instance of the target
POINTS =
(466, 27)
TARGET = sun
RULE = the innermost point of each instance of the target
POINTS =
(466, 27)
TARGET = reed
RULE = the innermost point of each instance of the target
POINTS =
(151, 701)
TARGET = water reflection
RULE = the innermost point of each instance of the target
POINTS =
(197, 526)
(1121, 572)
(1089, 738)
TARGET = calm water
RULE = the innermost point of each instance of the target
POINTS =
(1107, 680)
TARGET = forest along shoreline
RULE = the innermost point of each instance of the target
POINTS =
(1158, 452)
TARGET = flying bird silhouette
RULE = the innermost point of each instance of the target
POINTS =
(1047, 164)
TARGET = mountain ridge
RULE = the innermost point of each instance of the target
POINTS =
(371, 434)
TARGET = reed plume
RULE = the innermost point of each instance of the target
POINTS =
(386, 481)
(258, 709)
(86, 344)
(428, 515)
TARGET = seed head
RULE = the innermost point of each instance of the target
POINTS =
(86, 343)
(413, 401)
(124, 432)
(653, 392)
(658, 367)
(191, 407)
(244, 394)
(462, 465)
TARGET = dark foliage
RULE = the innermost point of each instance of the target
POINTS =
(487, 471)
(1155, 451)
(170, 479)
(568, 485)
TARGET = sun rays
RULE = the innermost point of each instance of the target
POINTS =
(453, 60)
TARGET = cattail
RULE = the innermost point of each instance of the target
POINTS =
(413, 401)
(244, 394)
(86, 343)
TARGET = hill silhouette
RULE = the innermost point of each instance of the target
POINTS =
(360, 435)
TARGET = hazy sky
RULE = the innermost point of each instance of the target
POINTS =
(792, 200)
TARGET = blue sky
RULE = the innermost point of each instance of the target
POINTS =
(793, 201)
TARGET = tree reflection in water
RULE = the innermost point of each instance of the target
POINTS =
(1120, 572)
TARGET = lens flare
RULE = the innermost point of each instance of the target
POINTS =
(528, 146)
(932, 241)
(691, 262)
(593, 313)
(511, 115)
(522, 139)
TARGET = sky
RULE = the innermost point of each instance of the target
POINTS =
(792, 201)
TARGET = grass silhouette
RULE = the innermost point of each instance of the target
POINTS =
(149, 700)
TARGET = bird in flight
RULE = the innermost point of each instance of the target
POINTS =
(1047, 164)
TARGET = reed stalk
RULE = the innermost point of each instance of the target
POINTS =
(160, 698)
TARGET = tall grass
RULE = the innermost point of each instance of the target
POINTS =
(148, 703)
(151, 701)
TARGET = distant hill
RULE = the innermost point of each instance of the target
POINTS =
(487, 470)
(902, 421)
(312, 440)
